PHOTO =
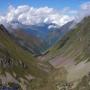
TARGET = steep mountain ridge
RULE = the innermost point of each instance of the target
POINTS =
(17, 62)
(76, 43)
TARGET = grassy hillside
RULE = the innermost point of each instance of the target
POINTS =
(76, 44)
(16, 61)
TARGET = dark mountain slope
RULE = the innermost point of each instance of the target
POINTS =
(18, 67)
(75, 44)
(31, 42)
(14, 59)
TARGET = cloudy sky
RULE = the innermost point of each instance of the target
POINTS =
(31, 12)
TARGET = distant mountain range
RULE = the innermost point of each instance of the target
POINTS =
(38, 38)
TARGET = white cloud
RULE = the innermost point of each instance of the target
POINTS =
(30, 15)
(83, 11)
(1, 18)
(85, 6)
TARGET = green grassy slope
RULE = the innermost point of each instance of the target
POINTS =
(22, 61)
(76, 44)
